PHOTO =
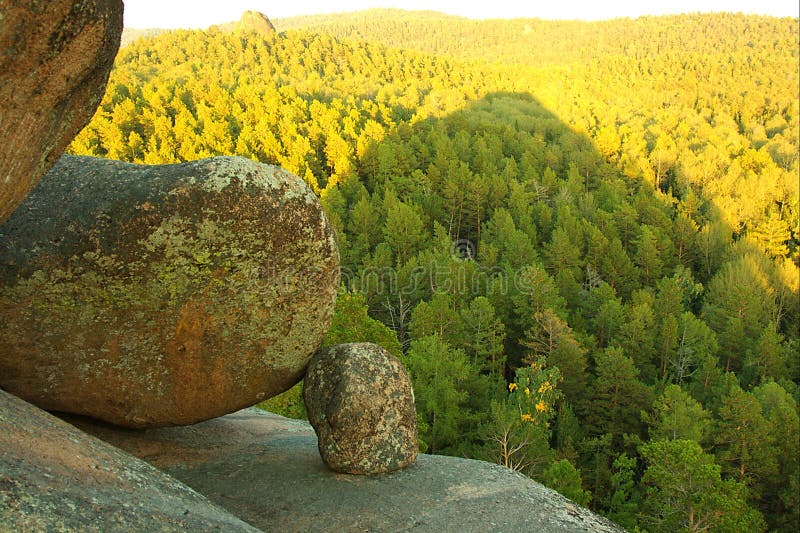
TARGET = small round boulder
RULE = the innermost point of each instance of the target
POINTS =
(361, 405)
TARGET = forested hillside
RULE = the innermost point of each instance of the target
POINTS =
(580, 238)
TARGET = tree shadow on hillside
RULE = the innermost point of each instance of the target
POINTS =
(511, 187)
(509, 153)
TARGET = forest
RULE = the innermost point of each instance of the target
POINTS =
(581, 239)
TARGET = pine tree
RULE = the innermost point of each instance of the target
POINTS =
(618, 396)
(437, 317)
(772, 235)
(678, 416)
(738, 306)
(637, 337)
(686, 492)
(439, 374)
(648, 256)
(781, 497)
(404, 231)
(563, 477)
(744, 445)
(550, 337)
(625, 496)
(484, 336)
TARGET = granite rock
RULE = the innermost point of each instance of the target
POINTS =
(163, 295)
(360, 402)
(266, 470)
(55, 58)
(256, 22)
(54, 477)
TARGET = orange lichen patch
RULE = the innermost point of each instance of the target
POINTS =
(112, 348)
(193, 322)
(196, 376)
(218, 273)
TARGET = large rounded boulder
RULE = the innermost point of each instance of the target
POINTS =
(55, 58)
(163, 295)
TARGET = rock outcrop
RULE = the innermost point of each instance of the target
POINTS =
(257, 22)
(54, 477)
(266, 470)
(55, 58)
(361, 405)
(160, 295)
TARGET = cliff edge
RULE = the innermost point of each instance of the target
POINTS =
(266, 470)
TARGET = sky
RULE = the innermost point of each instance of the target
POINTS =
(204, 13)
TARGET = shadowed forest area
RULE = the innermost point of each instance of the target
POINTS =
(581, 239)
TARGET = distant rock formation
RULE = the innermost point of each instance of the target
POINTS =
(55, 58)
(266, 470)
(257, 22)
(360, 403)
(159, 295)
(54, 477)
(251, 21)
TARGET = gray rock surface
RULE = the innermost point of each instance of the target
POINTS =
(54, 477)
(361, 405)
(266, 470)
(160, 295)
(55, 58)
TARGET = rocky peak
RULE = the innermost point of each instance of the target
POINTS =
(255, 21)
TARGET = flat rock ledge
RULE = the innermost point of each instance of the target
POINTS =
(266, 470)
(54, 477)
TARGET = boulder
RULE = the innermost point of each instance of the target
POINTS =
(361, 405)
(266, 470)
(55, 58)
(163, 295)
(54, 477)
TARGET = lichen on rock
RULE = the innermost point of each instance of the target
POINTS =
(161, 295)
(360, 402)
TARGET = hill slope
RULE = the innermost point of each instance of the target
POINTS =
(537, 42)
